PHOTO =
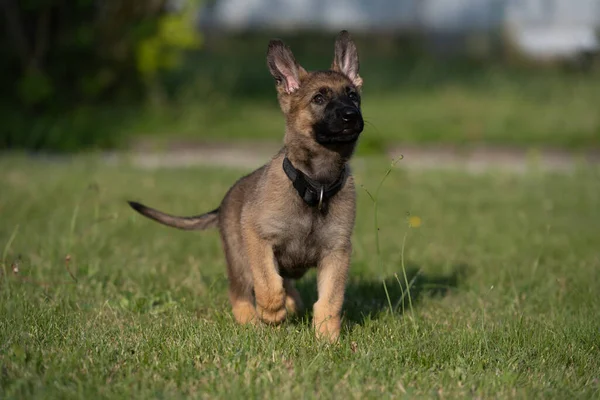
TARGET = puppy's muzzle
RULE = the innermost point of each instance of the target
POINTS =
(349, 115)
(342, 123)
(351, 120)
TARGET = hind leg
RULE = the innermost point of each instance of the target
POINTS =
(293, 300)
(241, 296)
(243, 308)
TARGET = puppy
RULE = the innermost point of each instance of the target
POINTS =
(297, 211)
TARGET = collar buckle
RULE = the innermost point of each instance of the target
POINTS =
(320, 205)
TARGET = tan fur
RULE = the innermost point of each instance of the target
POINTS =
(270, 236)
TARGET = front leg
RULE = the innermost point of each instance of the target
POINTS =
(268, 284)
(332, 273)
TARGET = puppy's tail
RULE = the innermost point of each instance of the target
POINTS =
(197, 222)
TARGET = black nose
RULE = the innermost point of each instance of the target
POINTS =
(349, 114)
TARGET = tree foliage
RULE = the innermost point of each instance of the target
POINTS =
(83, 50)
(58, 55)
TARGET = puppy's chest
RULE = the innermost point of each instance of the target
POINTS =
(299, 244)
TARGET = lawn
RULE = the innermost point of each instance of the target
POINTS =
(105, 304)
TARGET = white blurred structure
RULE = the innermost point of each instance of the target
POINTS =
(549, 28)
(541, 28)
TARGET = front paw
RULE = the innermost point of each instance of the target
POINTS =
(328, 329)
(271, 316)
(327, 324)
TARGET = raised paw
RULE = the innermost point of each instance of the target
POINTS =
(274, 317)
(270, 306)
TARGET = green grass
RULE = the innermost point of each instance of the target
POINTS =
(505, 299)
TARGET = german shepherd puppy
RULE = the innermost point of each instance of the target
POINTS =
(297, 211)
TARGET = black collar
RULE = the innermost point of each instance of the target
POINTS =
(312, 192)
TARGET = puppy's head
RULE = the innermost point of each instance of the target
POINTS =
(322, 105)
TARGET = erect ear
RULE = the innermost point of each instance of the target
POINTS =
(345, 59)
(283, 66)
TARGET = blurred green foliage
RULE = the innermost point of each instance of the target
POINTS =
(155, 79)
(62, 59)
(163, 49)
(224, 92)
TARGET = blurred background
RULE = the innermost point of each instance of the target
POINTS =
(116, 74)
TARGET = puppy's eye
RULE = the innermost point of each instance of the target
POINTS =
(319, 99)
(353, 96)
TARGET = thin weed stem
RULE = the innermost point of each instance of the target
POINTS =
(8, 244)
(375, 200)
(5, 254)
(408, 285)
(72, 227)
(387, 294)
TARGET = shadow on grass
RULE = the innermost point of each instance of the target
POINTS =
(369, 298)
